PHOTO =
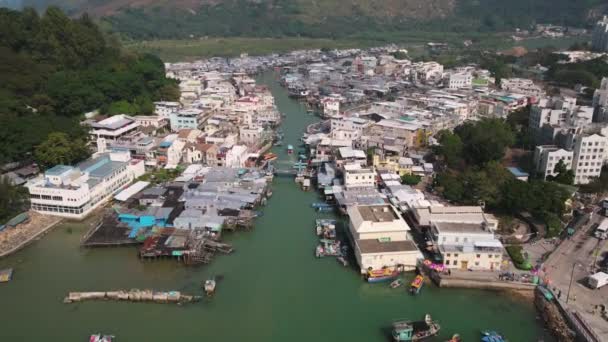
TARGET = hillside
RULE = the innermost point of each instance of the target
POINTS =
(149, 19)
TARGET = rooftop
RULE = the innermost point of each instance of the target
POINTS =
(375, 246)
(453, 227)
(58, 170)
(377, 213)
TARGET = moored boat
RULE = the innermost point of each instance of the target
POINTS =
(383, 275)
(406, 331)
(416, 284)
(396, 283)
(455, 338)
(209, 287)
(270, 156)
(101, 338)
(290, 149)
(491, 336)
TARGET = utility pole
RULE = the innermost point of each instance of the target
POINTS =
(571, 280)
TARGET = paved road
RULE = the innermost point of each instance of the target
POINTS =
(568, 267)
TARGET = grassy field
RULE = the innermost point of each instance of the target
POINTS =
(184, 50)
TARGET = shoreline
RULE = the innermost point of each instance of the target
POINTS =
(31, 238)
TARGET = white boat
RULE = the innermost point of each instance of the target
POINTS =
(209, 286)
(101, 338)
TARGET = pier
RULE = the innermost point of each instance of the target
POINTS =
(134, 295)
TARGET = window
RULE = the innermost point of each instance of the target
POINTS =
(447, 255)
(497, 255)
(478, 256)
(447, 262)
(490, 256)
(455, 255)
(476, 263)
(455, 262)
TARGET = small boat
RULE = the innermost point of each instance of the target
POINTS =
(270, 156)
(209, 287)
(380, 276)
(326, 228)
(101, 338)
(491, 336)
(6, 275)
(328, 248)
(289, 149)
(342, 260)
(455, 338)
(406, 331)
(416, 284)
(396, 283)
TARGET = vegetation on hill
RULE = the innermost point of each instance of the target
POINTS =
(474, 174)
(154, 19)
(54, 69)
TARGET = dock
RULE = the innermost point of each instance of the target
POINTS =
(133, 295)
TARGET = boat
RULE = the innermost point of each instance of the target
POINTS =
(101, 338)
(455, 338)
(342, 260)
(416, 284)
(290, 149)
(491, 336)
(326, 228)
(6, 275)
(406, 331)
(396, 283)
(209, 286)
(270, 156)
(328, 248)
(383, 275)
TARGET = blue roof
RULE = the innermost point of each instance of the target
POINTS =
(165, 144)
(58, 170)
(517, 172)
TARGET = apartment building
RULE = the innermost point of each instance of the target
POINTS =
(522, 86)
(458, 80)
(546, 157)
(75, 191)
(113, 128)
(599, 39)
(589, 154)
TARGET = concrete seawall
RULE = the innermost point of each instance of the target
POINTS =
(484, 285)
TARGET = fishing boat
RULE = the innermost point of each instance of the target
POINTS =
(380, 276)
(328, 248)
(342, 260)
(270, 156)
(209, 286)
(101, 338)
(396, 283)
(6, 275)
(455, 338)
(326, 228)
(416, 284)
(406, 331)
(491, 336)
(289, 149)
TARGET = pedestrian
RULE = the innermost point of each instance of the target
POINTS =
(559, 294)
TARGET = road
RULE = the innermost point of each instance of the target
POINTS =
(568, 267)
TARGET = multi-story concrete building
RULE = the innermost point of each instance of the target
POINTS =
(599, 39)
(522, 86)
(546, 158)
(458, 80)
(589, 154)
(165, 108)
(189, 118)
(467, 246)
(75, 192)
(357, 177)
(381, 238)
(113, 128)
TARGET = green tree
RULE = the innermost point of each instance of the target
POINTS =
(563, 174)
(410, 179)
(485, 140)
(450, 148)
(12, 199)
(58, 148)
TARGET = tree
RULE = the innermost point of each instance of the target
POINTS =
(410, 179)
(58, 148)
(450, 148)
(12, 199)
(563, 174)
(485, 140)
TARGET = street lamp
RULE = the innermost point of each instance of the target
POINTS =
(571, 280)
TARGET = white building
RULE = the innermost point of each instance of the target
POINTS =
(599, 40)
(522, 86)
(155, 121)
(113, 128)
(357, 177)
(165, 108)
(546, 158)
(187, 118)
(74, 192)
(467, 246)
(381, 238)
(251, 135)
(589, 154)
(600, 96)
(458, 80)
(331, 107)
